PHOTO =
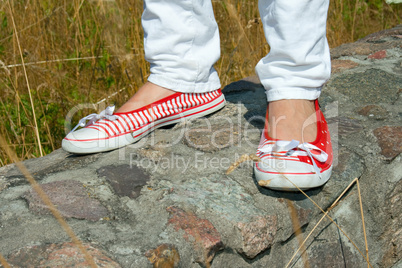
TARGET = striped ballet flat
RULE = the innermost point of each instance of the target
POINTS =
(107, 131)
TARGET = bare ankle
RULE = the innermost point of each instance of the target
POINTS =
(145, 95)
(292, 119)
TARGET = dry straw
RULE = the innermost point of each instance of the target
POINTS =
(336, 202)
(27, 81)
(3, 262)
(297, 226)
(46, 200)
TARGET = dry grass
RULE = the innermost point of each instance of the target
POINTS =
(83, 51)
(295, 221)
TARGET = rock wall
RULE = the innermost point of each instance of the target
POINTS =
(167, 202)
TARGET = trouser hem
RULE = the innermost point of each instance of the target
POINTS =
(183, 86)
(293, 93)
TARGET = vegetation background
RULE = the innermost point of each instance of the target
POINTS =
(90, 52)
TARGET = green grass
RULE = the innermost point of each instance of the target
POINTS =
(93, 49)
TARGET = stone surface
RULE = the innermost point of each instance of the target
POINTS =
(257, 235)
(217, 194)
(341, 65)
(349, 161)
(59, 255)
(164, 256)
(383, 40)
(37, 167)
(351, 49)
(346, 125)
(70, 198)
(379, 55)
(212, 138)
(374, 112)
(206, 239)
(332, 254)
(3, 183)
(393, 232)
(303, 216)
(390, 140)
(381, 35)
(369, 87)
(155, 152)
(125, 180)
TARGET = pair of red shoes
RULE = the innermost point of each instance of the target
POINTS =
(285, 165)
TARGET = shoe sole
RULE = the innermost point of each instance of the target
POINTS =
(115, 142)
(283, 181)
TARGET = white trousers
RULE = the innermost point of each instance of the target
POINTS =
(182, 45)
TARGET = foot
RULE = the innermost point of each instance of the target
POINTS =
(292, 120)
(147, 94)
(302, 157)
(152, 107)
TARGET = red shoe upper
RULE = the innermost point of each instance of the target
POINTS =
(319, 151)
